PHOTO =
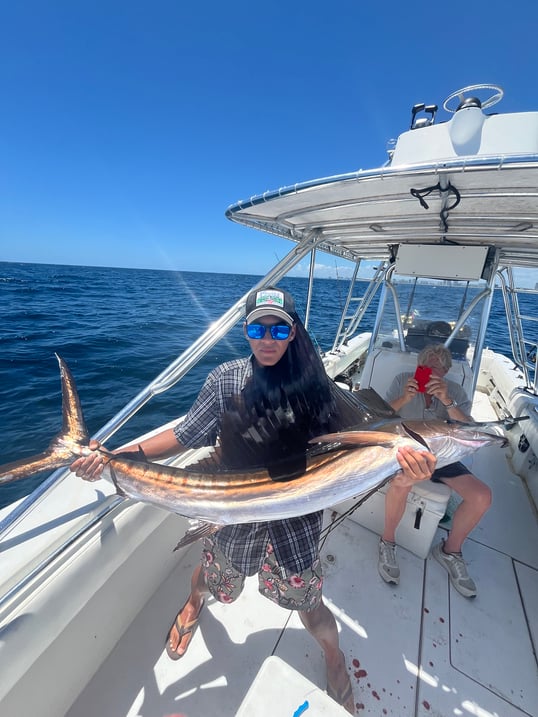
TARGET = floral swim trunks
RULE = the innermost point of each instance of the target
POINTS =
(294, 592)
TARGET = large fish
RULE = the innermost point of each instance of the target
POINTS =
(337, 467)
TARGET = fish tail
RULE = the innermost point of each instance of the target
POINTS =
(65, 447)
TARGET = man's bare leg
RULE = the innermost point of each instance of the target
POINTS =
(395, 502)
(476, 501)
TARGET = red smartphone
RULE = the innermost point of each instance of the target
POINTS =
(422, 376)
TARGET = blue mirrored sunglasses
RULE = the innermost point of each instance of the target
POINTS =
(279, 332)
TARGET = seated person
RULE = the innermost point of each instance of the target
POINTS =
(442, 399)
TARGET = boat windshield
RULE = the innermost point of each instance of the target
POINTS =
(422, 311)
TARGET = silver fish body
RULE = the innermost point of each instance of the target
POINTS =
(341, 466)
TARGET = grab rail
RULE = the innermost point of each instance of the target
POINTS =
(525, 360)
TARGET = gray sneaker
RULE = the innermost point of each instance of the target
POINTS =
(387, 564)
(457, 570)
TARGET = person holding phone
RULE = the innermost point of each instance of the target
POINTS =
(427, 395)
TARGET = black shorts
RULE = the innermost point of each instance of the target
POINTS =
(452, 470)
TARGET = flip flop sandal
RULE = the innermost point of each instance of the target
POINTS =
(187, 629)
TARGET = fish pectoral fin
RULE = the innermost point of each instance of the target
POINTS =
(416, 436)
(356, 438)
(199, 529)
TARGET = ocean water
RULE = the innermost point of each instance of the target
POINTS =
(117, 329)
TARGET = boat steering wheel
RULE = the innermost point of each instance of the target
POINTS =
(463, 94)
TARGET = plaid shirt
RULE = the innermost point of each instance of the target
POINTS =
(295, 540)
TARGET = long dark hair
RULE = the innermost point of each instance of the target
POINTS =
(280, 408)
(299, 376)
(283, 406)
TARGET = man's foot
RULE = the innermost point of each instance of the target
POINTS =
(339, 687)
(182, 630)
(457, 570)
(387, 563)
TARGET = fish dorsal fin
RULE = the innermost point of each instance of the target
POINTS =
(284, 469)
(363, 408)
(209, 462)
(356, 438)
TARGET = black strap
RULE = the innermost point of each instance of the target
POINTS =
(450, 188)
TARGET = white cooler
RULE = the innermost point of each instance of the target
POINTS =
(426, 505)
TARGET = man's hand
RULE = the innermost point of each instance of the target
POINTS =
(437, 387)
(410, 391)
(91, 466)
(416, 465)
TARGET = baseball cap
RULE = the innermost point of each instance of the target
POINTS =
(269, 302)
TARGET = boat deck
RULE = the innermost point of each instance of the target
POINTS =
(414, 649)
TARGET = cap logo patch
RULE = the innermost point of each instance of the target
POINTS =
(275, 298)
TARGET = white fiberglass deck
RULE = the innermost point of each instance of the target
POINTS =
(415, 649)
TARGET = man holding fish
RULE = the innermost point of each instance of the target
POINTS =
(264, 410)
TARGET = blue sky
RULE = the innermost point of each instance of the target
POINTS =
(128, 128)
